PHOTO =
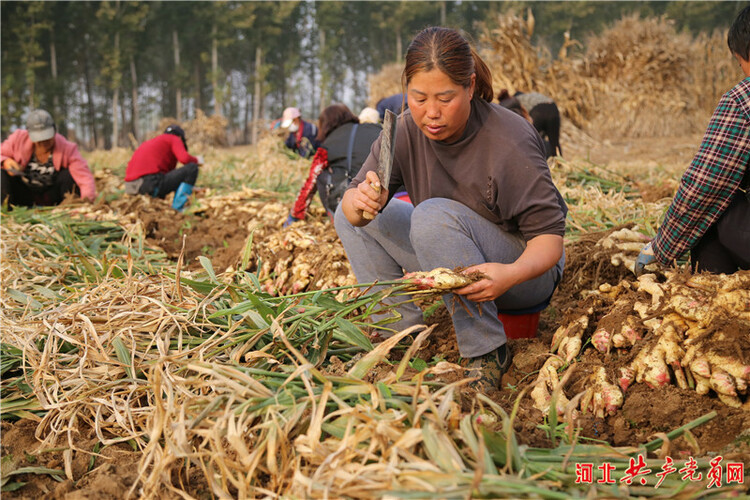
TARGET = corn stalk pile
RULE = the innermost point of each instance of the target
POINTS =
(682, 329)
(271, 165)
(384, 83)
(215, 381)
(645, 71)
(202, 131)
(657, 82)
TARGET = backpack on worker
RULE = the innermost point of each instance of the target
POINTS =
(334, 180)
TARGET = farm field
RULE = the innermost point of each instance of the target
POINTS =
(165, 354)
(213, 353)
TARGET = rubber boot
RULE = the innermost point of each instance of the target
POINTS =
(184, 190)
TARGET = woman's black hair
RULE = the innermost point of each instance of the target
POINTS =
(448, 51)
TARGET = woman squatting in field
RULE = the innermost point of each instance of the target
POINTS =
(482, 196)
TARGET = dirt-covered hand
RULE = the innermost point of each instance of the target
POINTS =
(497, 282)
(645, 258)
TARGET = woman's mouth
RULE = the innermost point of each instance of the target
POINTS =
(434, 129)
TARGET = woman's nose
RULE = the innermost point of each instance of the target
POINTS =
(433, 110)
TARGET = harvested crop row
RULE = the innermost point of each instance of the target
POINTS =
(692, 331)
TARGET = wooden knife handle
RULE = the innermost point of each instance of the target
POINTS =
(368, 215)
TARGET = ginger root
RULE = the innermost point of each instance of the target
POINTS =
(648, 284)
(567, 339)
(601, 397)
(440, 278)
(546, 383)
(689, 330)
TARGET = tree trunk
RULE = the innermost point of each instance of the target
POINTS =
(123, 121)
(31, 80)
(398, 46)
(29, 72)
(53, 69)
(215, 70)
(442, 13)
(115, 99)
(248, 104)
(323, 73)
(105, 141)
(56, 111)
(115, 105)
(256, 92)
(134, 98)
(198, 93)
(178, 91)
(89, 94)
(228, 99)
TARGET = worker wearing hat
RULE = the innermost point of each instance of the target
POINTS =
(153, 168)
(40, 166)
(302, 134)
(369, 115)
(396, 103)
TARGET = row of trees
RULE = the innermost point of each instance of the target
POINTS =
(108, 71)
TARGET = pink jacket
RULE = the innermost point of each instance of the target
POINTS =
(65, 155)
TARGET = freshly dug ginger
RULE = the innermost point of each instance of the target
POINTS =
(628, 334)
(601, 397)
(440, 278)
(647, 283)
(546, 383)
(649, 366)
(567, 339)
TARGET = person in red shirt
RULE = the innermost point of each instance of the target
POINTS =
(152, 169)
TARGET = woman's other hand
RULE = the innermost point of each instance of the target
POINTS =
(541, 254)
(500, 279)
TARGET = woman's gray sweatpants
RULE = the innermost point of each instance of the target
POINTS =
(443, 233)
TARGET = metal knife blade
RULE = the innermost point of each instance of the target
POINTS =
(387, 147)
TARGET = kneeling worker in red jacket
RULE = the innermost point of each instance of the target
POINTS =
(152, 169)
(40, 166)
